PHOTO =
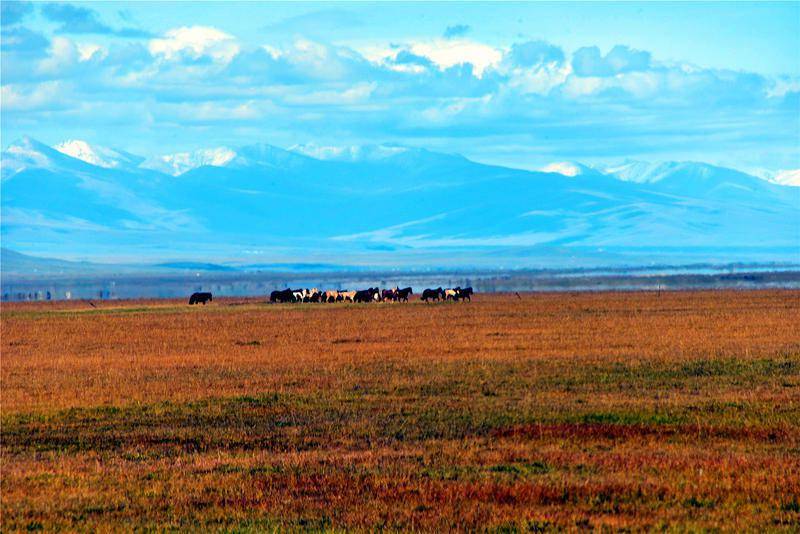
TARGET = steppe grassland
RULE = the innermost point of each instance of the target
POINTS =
(569, 410)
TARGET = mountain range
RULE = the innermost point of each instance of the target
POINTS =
(384, 205)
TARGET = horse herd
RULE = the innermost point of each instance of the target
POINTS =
(373, 294)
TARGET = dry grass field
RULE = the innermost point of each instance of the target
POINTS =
(637, 411)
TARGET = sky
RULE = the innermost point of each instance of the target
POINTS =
(518, 84)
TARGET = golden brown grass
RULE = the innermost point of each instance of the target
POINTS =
(620, 410)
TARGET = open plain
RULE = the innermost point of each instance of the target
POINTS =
(548, 411)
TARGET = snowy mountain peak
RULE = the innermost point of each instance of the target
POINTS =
(689, 178)
(568, 168)
(790, 177)
(641, 172)
(688, 173)
(348, 153)
(100, 156)
(181, 162)
(25, 153)
(263, 154)
(29, 145)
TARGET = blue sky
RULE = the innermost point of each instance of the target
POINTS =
(521, 84)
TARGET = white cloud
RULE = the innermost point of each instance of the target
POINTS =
(575, 86)
(195, 81)
(444, 53)
(355, 94)
(212, 111)
(88, 50)
(40, 96)
(781, 86)
(273, 51)
(540, 80)
(195, 41)
(63, 54)
(452, 108)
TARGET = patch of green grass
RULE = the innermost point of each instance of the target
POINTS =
(522, 469)
(629, 418)
(696, 502)
(791, 506)
(530, 526)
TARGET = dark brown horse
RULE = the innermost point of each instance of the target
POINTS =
(402, 294)
(200, 298)
(433, 294)
(367, 295)
(287, 295)
(465, 293)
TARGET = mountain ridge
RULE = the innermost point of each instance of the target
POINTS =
(287, 204)
(267, 154)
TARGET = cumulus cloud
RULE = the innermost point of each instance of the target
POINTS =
(195, 42)
(542, 80)
(351, 95)
(447, 53)
(302, 62)
(532, 53)
(456, 30)
(63, 54)
(456, 94)
(441, 53)
(406, 60)
(588, 61)
(44, 96)
(79, 19)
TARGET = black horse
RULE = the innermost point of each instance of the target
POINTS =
(402, 294)
(367, 295)
(465, 293)
(287, 295)
(433, 294)
(200, 298)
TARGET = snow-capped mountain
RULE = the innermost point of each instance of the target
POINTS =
(348, 153)
(180, 162)
(25, 153)
(790, 177)
(258, 155)
(691, 179)
(29, 153)
(431, 206)
(569, 168)
(100, 156)
(689, 175)
(640, 172)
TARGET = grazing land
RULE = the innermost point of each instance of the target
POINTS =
(552, 410)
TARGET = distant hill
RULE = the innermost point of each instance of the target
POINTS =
(394, 206)
(195, 266)
(14, 263)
